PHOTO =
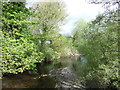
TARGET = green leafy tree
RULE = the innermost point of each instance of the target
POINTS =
(19, 52)
(50, 16)
(99, 41)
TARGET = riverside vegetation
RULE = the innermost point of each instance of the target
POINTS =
(31, 35)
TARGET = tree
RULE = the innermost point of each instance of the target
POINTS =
(50, 16)
(19, 52)
(99, 41)
(80, 25)
(112, 12)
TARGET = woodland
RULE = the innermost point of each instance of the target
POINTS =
(31, 35)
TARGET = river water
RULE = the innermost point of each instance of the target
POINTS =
(51, 75)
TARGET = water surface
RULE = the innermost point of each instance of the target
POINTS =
(45, 79)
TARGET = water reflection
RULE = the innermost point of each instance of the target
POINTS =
(44, 79)
(45, 82)
(83, 59)
(18, 81)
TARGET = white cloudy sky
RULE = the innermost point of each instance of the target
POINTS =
(76, 10)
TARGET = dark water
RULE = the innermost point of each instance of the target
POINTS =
(44, 78)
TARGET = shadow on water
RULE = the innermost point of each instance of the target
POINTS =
(40, 80)
(45, 82)
(46, 79)
(43, 79)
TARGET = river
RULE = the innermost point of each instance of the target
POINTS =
(61, 73)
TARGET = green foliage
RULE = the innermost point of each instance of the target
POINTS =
(18, 55)
(99, 42)
(67, 48)
(31, 36)
(51, 16)
(19, 52)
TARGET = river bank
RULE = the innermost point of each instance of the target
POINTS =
(43, 76)
(62, 73)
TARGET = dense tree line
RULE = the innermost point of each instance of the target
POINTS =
(31, 35)
(99, 41)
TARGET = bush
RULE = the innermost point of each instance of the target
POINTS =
(18, 55)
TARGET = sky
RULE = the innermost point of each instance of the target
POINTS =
(77, 9)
